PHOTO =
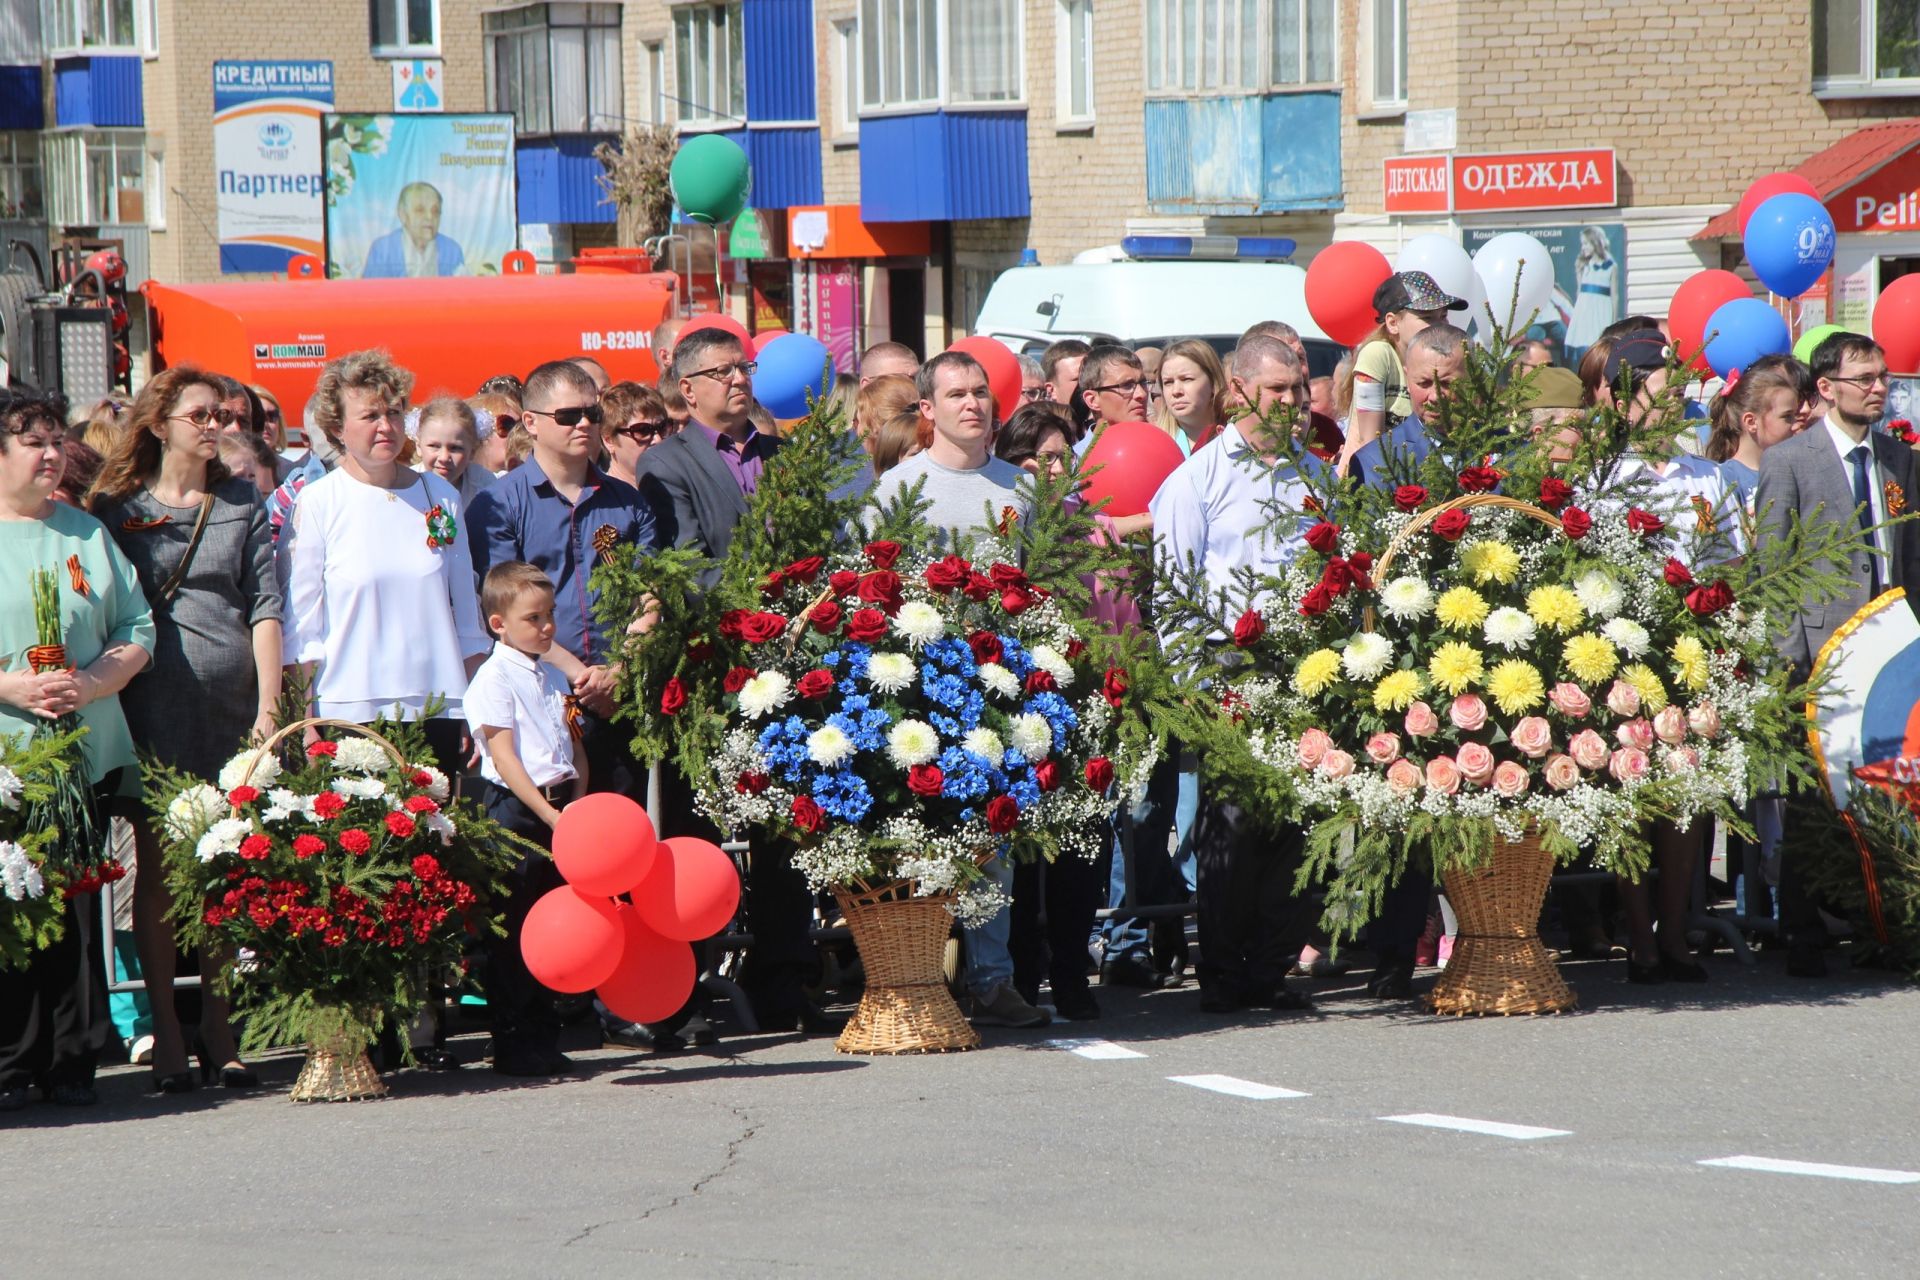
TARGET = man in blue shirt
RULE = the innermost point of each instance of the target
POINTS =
(1436, 356)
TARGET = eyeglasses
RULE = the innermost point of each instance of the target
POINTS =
(201, 417)
(641, 432)
(1866, 380)
(1047, 459)
(1127, 388)
(725, 372)
(1030, 394)
(570, 416)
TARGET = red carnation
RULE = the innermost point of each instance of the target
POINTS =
(1316, 602)
(842, 581)
(866, 626)
(1644, 521)
(1324, 537)
(926, 780)
(881, 587)
(883, 554)
(733, 623)
(986, 647)
(323, 748)
(1575, 523)
(1114, 686)
(1041, 681)
(673, 698)
(979, 587)
(1099, 773)
(1480, 479)
(1247, 631)
(329, 804)
(825, 616)
(400, 825)
(1046, 775)
(736, 679)
(305, 846)
(355, 841)
(255, 848)
(1677, 574)
(807, 815)
(762, 627)
(1360, 565)
(752, 784)
(1452, 525)
(421, 778)
(1005, 575)
(421, 804)
(1408, 497)
(1555, 493)
(242, 796)
(426, 867)
(817, 683)
(1709, 600)
(948, 574)
(1003, 814)
(806, 570)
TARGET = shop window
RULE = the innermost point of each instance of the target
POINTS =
(20, 185)
(1073, 61)
(709, 57)
(1866, 46)
(405, 28)
(908, 59)
(96, 177)
(555, 67)
(1240, 46)
(92, 25)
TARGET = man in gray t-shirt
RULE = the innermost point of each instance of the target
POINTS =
(971, 491)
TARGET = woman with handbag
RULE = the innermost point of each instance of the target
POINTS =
(198, 539)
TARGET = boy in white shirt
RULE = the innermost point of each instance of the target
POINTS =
(516, 705)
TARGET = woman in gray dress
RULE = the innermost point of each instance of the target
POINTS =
(215, 677)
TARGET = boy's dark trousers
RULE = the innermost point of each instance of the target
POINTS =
(521, 1010)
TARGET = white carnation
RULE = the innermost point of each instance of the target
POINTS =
(1406, 599)
(999, 680)
(1599, 594)
(436, 786)
(986, 744)
(919, 622)
(440, 824)
(891, 672)
(763, 693)
(19, 877)
(1054, 663)
(264, 774)
(193, 810)
(1032, 736)
(10, 788)
(912, 742)
(283, 804)
(828, 745)
(361, 755)
(1367, 655)
(1510, 628)
(1628, 636)
(223, 836)
(360, 788)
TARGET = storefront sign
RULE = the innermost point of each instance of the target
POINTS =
(1589, 281)
(1416, 184)
(266, 153)
(1502, 183)
(419, 195)
(1887, 199)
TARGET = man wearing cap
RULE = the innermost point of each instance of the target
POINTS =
(1436, 357)
(1404, 304)
(1553, 398)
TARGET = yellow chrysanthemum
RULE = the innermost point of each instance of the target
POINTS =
(1653, 694)
(1486, 562)
(1590, 658)
(1515, 687)
(1316, 671)
(1690, 662)
(1461, 609)
(1555, 607)
(1455, 666)
(1397, 690)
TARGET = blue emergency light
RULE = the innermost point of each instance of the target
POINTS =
(1219, 248)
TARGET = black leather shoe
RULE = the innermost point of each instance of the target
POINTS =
(635, 1035)
(1681, 970)
(1221, 1000)
(1076, 1006)
(173, 1082)
(431, 1058)
(699, 1032)
(815, 1021)
(1392, 982)
(1131, 970)
(520, 1060)
(1646, 975)
(1804, 960)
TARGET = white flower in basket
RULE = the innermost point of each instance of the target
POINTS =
(360, 788)
(19, 877)
(222, 837)
(10, 788)
(999, 681)
(436, 786)
(243, 770)
(361, 755)
(919, 622)
(892, 672)
(194, 810)
(912, 742)
(764, 693)
(1032, 737)
(984, 743)
(829, 745)
(440, 824)
(1054, 663)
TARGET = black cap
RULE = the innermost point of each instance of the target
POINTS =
(1413, 291)
(1642, 350)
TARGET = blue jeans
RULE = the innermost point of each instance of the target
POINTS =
(1172, 799)
(989, 957)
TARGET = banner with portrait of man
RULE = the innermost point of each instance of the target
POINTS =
(413, 196)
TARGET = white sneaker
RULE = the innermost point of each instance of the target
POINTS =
(140, 1051)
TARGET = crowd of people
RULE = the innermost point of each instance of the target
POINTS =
(220, 562)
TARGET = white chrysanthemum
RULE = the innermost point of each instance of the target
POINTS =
(440, 824)
(763, 693)
(919, 622)
(19, 878)
(193, 810)
(1032, 736)
(1054, 663)
(283, 804)
(998, 680)
(437, 787)
(1599, 594)
(984, 743)
(360, 788)
(361, 755)
(1510, 628)
(223, 836)
(912, 742)
(1406, 599)
(1366, 656)
(1628, 636)
(10, 788)
(828, 745)
(234, 773)
(891, 672)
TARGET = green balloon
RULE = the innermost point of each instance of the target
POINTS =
(1803, 349)
(711, 177)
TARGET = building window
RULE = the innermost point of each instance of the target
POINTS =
(1073, 61)
(402, 28)
(149, 28)
(709, 59)
(96, 177)
(1302, 34)
(1240, 46)
(556, 67)
(93, 24)
(983, 41)
(156, 190)
(899, 53)
(20, 186)
(905, 62)
(846, 78)
(653, 84)
(1389, 37)
(1866, 44)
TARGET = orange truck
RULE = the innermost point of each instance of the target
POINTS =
(452, 333)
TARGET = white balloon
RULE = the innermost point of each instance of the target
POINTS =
(1442, 258)
(1516, 272)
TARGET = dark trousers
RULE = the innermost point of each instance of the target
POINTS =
(611, 767)
(520, 1009)
(1155, 881)
(1252, 924)
(53, 1016)
(1395, 932)
(1066, 892)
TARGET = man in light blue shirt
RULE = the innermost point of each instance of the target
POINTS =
(1435, 357)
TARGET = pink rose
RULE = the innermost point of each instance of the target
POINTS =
(1511, 780)
(1476, 763)
(1623, 699)
(1314, 744)
(1635, 733)
(1421, 722)
(1468, 712)
(1704, 719)
(1562, 772)
(1532, 737)
(1589, 750)
(1670, 726)
(1443, 775)
(1403, 776)
(1629, 764)
(1336, 765)
(1570, 700)
(1383, 748)
(1682, 760)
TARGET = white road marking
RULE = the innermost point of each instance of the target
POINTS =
(1098, 1050)
(1492, 1128)
(1238, 1088)
(1854, 1173)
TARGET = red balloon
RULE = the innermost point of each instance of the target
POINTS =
(1134, 458)
(762, 338)
(1694, 302)
(571, 942)
(1003, 371)
(1896, 324)
(1341, 280)
(691, 892)
(714, 320)
(654, 977)
(604, 844)
(1765, 188)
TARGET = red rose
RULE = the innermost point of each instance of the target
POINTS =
(400, 825)
(426, 867)
(305, 846)
(1046, 775)
(979, 587)
(1099, 773)
(807, 815)
(255, 848)
(1644, 521)
(1709, 600)
(825, 616)
(1360, 565)
(1016, 601)
(421, 804)
(1575, 523)
(1003, 814)
(986, 647)
(242, 796)
(1316, 602)
(866, 626)
(673, 698)
(881, 587)
(762, 627)
(1677, 574)
(926, 780)
(1452, 525)
(817, 683)
(329, 804)
(1555, 493)
(327, 749)
(1247, 631)
(1337, 576)
(1480, 479)
(1075, 648)
(733, 623)
(752, 784)
(806, 570)
(1039, 681)
(1005, 575)
(948, 574)
(1408, 497)
(1324, 537)
(355, 841)
(842, 581)
(775, 580)
(1114, 686)
(736, 679)
(883, 554)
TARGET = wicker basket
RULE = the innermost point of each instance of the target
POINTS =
(902, 940)
(1499, 964)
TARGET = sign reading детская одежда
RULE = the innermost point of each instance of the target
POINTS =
(1583, 179)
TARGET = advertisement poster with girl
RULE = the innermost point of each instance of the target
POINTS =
(1589, 285)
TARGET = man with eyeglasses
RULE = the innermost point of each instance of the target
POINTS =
(1112, 388)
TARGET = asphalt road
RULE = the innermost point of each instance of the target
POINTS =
(773, 1156)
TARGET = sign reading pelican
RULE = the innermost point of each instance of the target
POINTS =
(266, 154)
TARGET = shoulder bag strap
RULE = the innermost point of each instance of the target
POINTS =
(171, 587)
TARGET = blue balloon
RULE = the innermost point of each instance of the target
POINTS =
(1790, 242)
(1742, 331)
(792, 367)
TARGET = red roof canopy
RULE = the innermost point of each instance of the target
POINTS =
(1834, 170)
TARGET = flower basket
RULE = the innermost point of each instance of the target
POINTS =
(338, 1069)
(1499, 964)
(901, 939)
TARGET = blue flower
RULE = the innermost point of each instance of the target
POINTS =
(831, 659)
(946, 691)
(965, 778)
(844, 796)
(1058, 712)
(1027, 792)
(1015, 658)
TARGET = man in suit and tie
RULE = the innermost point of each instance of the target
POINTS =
(1838, 469)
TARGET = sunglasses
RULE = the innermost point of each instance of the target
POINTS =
(201, 417)
(573, 416)
(641, 432)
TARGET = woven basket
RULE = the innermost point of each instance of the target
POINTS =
(337, 1070)
(1499, 964)
(902, 941)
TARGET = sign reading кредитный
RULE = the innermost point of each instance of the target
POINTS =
(266, 154)
(1582, 179)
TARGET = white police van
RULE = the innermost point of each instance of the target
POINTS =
(1152, 290)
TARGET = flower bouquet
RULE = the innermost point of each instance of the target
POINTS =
(334, 884)
(33, 885)
(64, 807)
